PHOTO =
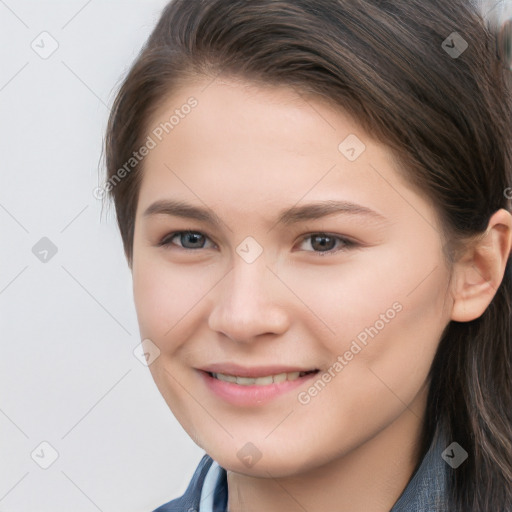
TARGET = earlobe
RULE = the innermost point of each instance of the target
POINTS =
(479, 273)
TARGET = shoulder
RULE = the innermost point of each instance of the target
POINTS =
(192, 495)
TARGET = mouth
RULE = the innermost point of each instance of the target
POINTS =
(252, 390)
(261, 381)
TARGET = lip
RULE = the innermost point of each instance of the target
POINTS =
(255, 371)
(250, 396)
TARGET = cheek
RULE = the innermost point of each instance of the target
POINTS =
(383, 316)
(169, 298)
(386, 351)
(164, 298)
(401, 344)
(343, 299)
(161, 296)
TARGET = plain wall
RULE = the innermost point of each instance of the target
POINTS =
(68, 374)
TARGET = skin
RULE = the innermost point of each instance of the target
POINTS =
(247, 152)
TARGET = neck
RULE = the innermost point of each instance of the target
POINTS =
(371, 477)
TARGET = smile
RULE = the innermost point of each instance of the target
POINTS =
(260, 381)
(251, 391)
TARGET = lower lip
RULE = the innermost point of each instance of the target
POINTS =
(240, 395)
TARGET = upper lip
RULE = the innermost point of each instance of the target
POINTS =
(253, 371)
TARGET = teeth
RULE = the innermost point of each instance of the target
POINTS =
(281, 377)
(227, 378)
(260, 381)
(246, 381)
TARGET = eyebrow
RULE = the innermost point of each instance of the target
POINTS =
(287, 217)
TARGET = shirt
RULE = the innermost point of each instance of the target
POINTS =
(425, 492)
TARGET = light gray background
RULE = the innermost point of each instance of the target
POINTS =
(68, 375)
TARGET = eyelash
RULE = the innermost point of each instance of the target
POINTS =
(347, 243)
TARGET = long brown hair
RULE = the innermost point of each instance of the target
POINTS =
(446, 117)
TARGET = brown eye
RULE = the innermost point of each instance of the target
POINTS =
(324, 243)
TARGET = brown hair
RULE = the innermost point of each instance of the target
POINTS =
(446, 118)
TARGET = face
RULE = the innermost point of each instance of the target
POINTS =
(235, 271)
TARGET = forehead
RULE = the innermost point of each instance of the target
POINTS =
(230, 111)
(244, 145)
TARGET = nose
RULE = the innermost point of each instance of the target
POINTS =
(250, 302)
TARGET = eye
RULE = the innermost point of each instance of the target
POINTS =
(321, 243)
(325, 243)
(190, 240)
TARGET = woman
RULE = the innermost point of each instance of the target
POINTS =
(314, 201)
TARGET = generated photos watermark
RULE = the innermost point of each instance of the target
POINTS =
(151, 142)
(304, 397)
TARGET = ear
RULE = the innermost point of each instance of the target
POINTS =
(479, 272)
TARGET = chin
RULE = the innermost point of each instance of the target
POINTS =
(251, 461)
